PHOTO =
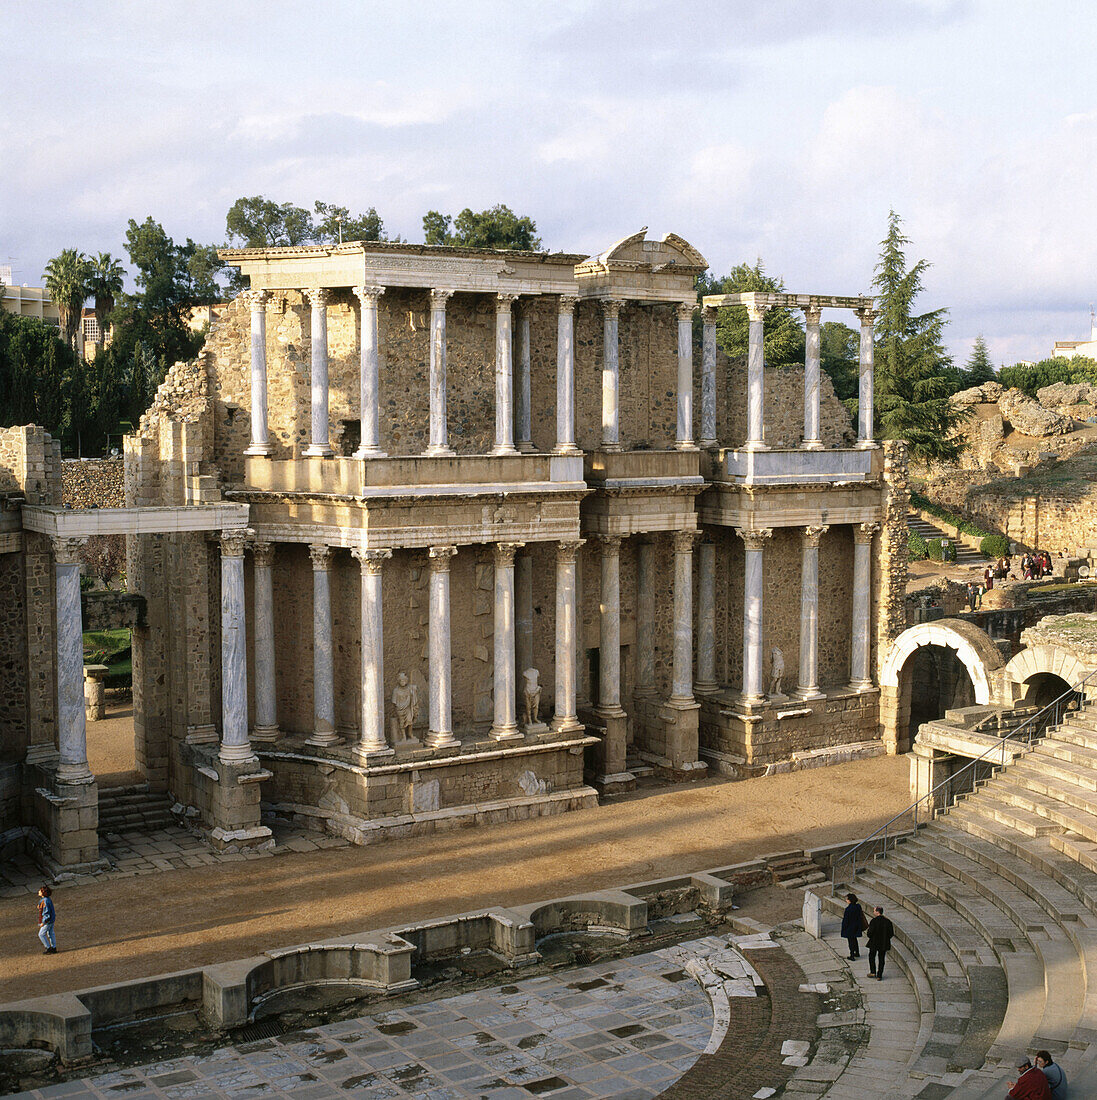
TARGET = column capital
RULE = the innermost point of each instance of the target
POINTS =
(867, 315)
(813, 312)
(439, 558)
(234, 542)
(755, 539)
(610, 544)
(709, 314)
(684, 540)
(566, 303)
(372, 560)
(504, 300)
(685, 310)
(320, 553)
(256, 299)
(439, 296)
(66, 551)
(814, 533)
(262, 553)
(612, 307)
(370, 294)
(567, 550)
(756, 311)
(863, 532)
(505, 551)
(317, 296)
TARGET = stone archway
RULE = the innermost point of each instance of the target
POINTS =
(969, 645)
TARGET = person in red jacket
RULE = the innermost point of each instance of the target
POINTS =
(1030, 1085)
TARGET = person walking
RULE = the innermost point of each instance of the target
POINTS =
(1031, 1084)
(853, 925)
(1056, 1078)
(972, 595)
(880, 932)
(46, 916)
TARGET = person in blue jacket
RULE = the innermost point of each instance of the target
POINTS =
(853, 924)
(46, 916)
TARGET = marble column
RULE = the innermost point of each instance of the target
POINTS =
(808, 686)
(323, 657)
(708, 379)
(321, 442)
(523, 611)
(266, 694)
(645, 618)
(860, 676)
(440, 733)
(681, 691)
(706, 619)
(565, 375)
(72, 737)
(524, 401)
(611, 425)
(439, 428)
(866, 361)
(504, 375)
(369, 385)
(754, 541)
(235, 746)
(756, 380)
(684, 436)
(565, 719)
(371, 740)
(812, 439)
(505, 725)
(260, 437)
(609, 656)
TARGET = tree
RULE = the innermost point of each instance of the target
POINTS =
(979, 369)
(36, 372)
(67, 276)
(782, 336)
(257, 222)
(839, 354)
(498, 227)
(913, 382)
(334, 224)
(105, 284)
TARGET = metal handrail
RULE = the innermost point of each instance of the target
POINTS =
(1024, 727)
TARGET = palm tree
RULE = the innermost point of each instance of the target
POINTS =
(67, 281)
(105, 282)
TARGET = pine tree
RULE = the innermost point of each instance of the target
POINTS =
(913, 370)
(979, 369)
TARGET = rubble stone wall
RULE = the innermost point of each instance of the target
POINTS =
(93, 483)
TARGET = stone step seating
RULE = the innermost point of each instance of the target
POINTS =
(964, 554)
(794, 870)
(133, 809)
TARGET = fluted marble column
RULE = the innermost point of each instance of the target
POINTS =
(440, 733)
(756, 379)
(321, 442)
(706, 619)
(439, 427)
(682, 662)
(369, 374)
(860, 677)
(754, 541)
(323, 658)
(235, 746)
(684, 436)
(524, 402)
(866, 362)
(609, 657)
(72, 737)
(808, 686)
(505, 725)
(708, 378)
(565, 375)
(266, 694)
(645, 618)
(566, 719)
(371, 739)
(812, 316)
(260, 437)
(504, 375)
(611, 412)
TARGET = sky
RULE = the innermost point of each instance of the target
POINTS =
(779, 129)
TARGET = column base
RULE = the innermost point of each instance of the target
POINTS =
(323, 740)
(612, 448)
(440, 740)
(685, 445)
(259, 450)
(682, 702)
(439, 450)
(266, 735)
(74, 773)
(504, 449)
(369, 452)
(319, 450)
(526, 447)
(865, 444)
(505, 733)
(812, 445)
(234, 755)
(706, 687)
(861, 685)
(369, 754)
(805, 692)
(617, 783)
(754, 445)
(567, 449)
(568, 723)
(748, 699)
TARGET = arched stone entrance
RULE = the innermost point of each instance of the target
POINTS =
(954, 663)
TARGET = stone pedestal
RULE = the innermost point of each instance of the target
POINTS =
(95, 695)
(611, 773)
(928, 768)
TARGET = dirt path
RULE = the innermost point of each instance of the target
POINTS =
(151, 924)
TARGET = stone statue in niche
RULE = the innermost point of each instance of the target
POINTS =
(532, 693)
(776, 672)
(405, 698)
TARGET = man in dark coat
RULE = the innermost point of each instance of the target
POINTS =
(880, 931)
(1031, 1084)
(853, 924)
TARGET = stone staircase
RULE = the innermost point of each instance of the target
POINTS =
(964, 554)
(995, 909)
(133, 809)
(794, 870)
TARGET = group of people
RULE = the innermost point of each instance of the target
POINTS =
(1043, 1081)
(1034, 567)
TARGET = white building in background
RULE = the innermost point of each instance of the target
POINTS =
(26, 301)
(1068, 349)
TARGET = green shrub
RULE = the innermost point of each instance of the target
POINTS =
(916, 547)
(934, 550)
(994, 546)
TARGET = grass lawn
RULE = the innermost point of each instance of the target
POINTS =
(110, 648)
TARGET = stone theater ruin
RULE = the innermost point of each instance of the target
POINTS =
(429, 536)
